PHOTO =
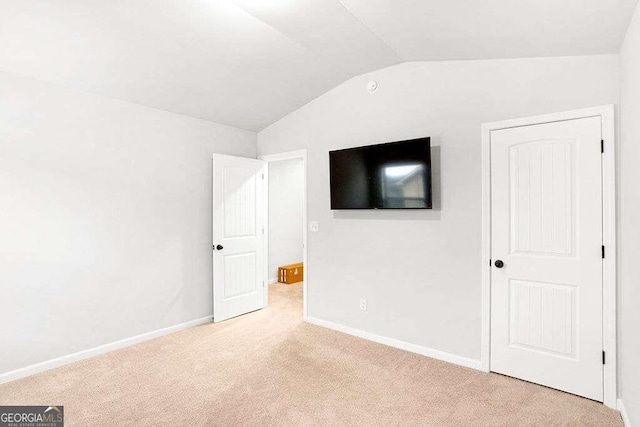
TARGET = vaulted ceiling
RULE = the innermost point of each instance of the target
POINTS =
(247, 63)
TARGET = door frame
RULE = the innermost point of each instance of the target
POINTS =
(289, 155)
(609, 310)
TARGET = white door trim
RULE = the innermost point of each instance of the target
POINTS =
(299, 154)
(609, 311)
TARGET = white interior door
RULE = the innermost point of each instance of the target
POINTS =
(239, 197)
(546, 229)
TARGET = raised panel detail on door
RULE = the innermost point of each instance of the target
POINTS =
(239, 202)
(240, 274)
(543, 316)
(546, 228)
(542, 188)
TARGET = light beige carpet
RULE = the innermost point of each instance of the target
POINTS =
(270, 368)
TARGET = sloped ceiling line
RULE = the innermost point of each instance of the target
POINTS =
(306, 47)
(400, 58)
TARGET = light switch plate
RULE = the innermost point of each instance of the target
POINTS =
(313, 226)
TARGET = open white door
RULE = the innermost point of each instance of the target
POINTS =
(546, 246)
(239, 197)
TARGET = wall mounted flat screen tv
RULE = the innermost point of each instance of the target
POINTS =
(395, 175)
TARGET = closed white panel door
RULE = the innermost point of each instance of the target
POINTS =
(546, 277)
(238, 221)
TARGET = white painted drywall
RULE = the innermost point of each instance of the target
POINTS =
(105, 219)
(629, 223)
(420, 270)
(286, 186)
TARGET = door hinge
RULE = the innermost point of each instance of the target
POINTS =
(602, 145)
(602, 251)
(262, 175)
(489, 262)
(603, 358)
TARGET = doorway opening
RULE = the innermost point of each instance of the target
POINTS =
(285, 234)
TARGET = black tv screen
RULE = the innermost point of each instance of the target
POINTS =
(395, 175)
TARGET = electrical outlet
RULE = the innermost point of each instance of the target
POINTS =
(313, 226)
(363, 304)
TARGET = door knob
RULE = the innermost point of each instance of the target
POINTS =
(498, 263)
(219, 247)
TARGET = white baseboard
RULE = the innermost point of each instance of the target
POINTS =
(623, 412)
(272, 281)
(424, 351)
(95, 351)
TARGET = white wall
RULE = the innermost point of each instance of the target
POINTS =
(105, 219)
(286, 186)
(420, 271)
(629, 224)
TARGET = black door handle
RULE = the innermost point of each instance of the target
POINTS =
(498, 263)
(219, 247)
